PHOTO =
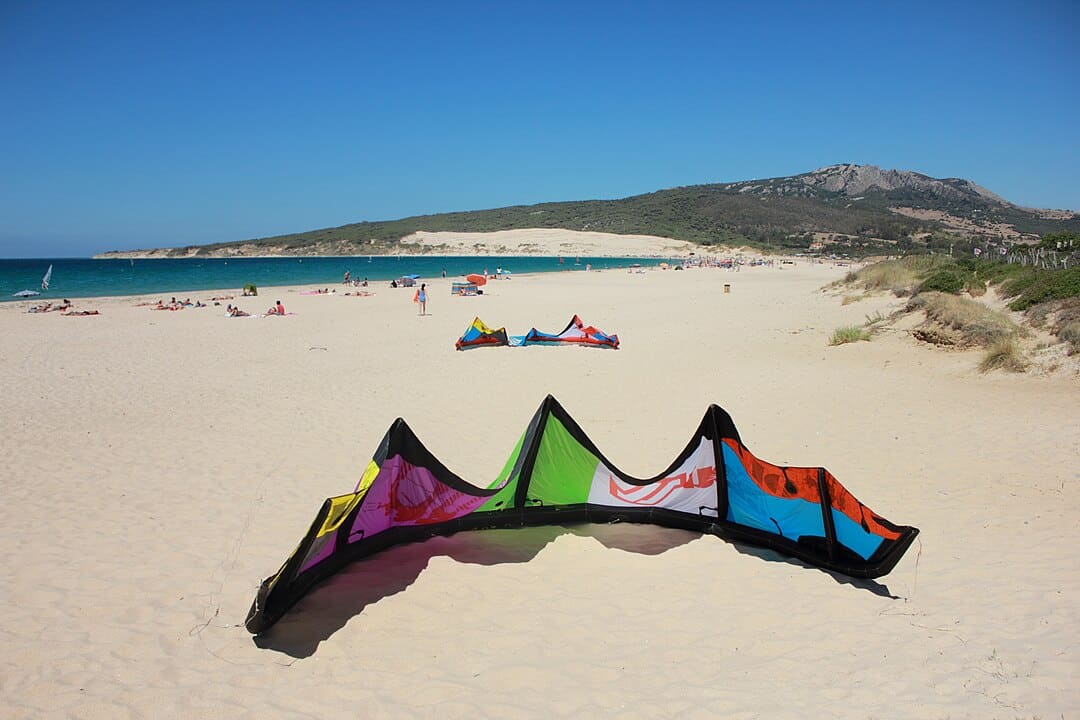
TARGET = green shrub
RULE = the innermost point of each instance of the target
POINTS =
(1048, 285)
(946, 281)
(852, 333)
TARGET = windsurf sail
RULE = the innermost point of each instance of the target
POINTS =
(45, 280)
(556, 475)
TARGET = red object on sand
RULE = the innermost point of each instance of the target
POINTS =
(478, 280)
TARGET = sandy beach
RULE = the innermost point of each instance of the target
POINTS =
(156, 466)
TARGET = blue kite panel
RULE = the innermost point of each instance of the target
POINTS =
(749, 505)
(851, 535)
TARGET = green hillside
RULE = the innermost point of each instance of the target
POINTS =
(774, 214)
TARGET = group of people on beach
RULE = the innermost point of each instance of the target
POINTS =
(175, 304)
(64, 308)
(355, 282)
(45, 307)
(277, 309)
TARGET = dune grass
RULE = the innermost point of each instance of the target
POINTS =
(874, 320)
(1004, 354)
(849, 334)
(899, 276)
(1070, 333)
(976, 323)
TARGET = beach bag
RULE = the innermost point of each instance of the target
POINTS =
(416, 297)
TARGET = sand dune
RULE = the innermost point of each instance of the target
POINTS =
(156, 466)
(548, 243)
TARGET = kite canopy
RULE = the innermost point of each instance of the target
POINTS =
(575, 333)
(478, 334)
(557, 475)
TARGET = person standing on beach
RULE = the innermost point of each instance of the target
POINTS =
(346, 278)
(421, 297)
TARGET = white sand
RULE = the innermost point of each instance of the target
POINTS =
(155, 466)
(548, 243)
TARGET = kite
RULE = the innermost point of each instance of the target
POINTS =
(576, 332)
(557, 475)
(478, 334)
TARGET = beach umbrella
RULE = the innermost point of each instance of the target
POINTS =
(26, 293)
(478, 280)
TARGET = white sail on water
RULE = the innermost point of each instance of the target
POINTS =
(45, 280)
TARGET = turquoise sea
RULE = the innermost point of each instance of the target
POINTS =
(83, 277)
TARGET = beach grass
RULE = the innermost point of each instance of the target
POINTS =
(900, 276)
(1004, 354)
(976, 324)
(874, 320)
(849, 334)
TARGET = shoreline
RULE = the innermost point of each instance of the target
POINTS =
(86, 278)
(336, 289)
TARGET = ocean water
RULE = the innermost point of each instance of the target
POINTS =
(83, 277)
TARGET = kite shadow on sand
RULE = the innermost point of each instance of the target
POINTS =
(345, 595)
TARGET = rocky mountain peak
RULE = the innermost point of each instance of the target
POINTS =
(857, 180)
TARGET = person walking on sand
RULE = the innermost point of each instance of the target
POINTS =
(421, 297)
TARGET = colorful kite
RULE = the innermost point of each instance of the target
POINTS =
(557, 475)
(478, 334)
(575, 333)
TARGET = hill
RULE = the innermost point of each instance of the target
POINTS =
(851, 209)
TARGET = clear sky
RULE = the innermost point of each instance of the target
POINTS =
(145, 124)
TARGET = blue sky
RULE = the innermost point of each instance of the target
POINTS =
(133, 125)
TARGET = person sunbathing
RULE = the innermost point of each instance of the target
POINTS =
(70, 313)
